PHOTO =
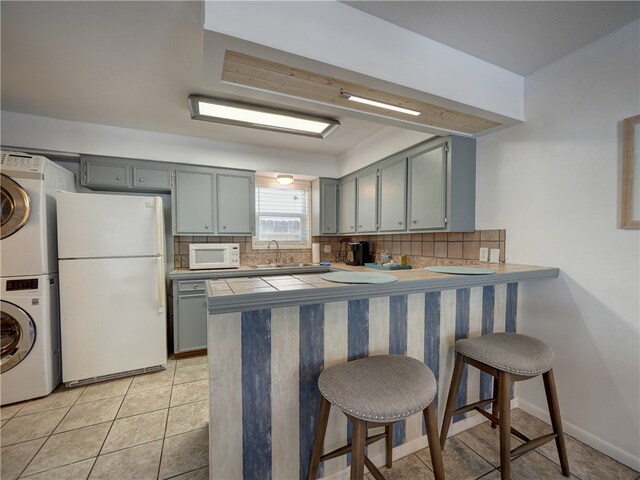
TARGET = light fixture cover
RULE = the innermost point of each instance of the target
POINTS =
(285, 179)
(230, 112)
(379, 104)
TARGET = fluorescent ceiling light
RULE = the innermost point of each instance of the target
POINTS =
(255, 116)
(285, 179)
(375, 103)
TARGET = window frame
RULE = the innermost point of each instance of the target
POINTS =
(283, 245)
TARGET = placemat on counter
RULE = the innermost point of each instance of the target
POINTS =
(358, 277)
(457, 270)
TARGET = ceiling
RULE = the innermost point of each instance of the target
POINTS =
(519, 36)
(133, 64)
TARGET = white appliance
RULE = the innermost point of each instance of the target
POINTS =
(28, 232)
(112, 286)
(214, 255)
(30, 364)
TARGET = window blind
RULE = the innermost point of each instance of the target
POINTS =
(282, 214)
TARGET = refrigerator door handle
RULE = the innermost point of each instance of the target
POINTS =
(160, 284)
(159, 227)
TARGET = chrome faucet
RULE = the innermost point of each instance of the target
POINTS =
(277, 249)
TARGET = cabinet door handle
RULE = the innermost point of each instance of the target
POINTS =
(359, 226)
(141, 179)
(118, 177)
(414, 221)
(224, 227)
(399, 223)
(196, 286)
(206, 226)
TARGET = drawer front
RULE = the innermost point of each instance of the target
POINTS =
(185, 286)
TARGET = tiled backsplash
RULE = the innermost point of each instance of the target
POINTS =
(422, 249)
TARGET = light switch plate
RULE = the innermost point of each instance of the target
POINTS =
(327, 248)
(494, 255)
(484, 254)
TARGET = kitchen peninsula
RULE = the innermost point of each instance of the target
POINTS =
(270, 335)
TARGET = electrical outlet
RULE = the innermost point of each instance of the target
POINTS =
(484, 254)
(327, 248)
(494, 255)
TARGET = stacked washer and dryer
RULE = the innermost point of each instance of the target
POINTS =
(30, 363)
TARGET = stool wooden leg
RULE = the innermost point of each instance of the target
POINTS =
(434, 441)
(494, 405)
(318, 442)
(504, 408)
(388, 429)
(556, 421)
(451, 399)
(358, 442)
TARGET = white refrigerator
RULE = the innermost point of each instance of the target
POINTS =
(112, 286)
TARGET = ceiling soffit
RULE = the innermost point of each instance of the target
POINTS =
(262, 74)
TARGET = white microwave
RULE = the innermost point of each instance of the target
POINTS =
(214, 255)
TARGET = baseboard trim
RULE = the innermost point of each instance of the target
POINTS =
(585, 437)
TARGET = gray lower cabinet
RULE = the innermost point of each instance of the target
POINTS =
(124, 174)
(193, 199)
(393, 195)
(211, 201)
(348, 206)
(367, 202)
(324, 206)
(190, 316)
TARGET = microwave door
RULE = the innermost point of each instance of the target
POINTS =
(210, 258)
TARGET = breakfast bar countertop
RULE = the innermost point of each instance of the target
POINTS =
(275, 289)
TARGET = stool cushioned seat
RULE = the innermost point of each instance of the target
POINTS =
(509, 352)
(380, 388)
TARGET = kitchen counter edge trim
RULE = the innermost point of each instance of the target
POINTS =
(217, 304)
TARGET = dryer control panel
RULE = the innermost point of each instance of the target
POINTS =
(21, 161)
(22, 284)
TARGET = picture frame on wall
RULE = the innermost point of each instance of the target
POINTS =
(630, 175)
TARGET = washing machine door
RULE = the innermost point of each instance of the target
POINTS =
(15, 206)
(18, 335)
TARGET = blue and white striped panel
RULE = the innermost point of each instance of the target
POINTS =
(265, 365)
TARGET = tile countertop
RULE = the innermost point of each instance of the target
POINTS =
(273, 289)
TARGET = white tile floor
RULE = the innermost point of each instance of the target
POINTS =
(155, 426)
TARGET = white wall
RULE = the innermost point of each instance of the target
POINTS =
(30, 131)
(381, 144)
(552, 182)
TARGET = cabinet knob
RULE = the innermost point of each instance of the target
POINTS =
(206, 226)
(224, 227)
(351, 226)
(118, 177)
(141, 179)
(359, 226)
(326, 228)
(414, 221)
(399, 223)
(195, 286)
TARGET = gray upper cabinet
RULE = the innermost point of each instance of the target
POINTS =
(211, 201)
(367, 195)
(442, 185)
(393, 194)
(235, 203)
(124, 174)
(193, 199)
(324, 206)
(155, 178)
(428, 177)
(347, 204)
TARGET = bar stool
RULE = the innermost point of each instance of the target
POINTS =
(508, 357)
(373, 392)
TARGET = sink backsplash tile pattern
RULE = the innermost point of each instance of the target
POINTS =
(422, 249)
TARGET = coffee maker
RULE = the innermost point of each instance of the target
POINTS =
(359, 253)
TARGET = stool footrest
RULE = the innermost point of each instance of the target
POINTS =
(373, 470)
(532, 444)
(496, 420)
(473, 406)
(347, 448)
